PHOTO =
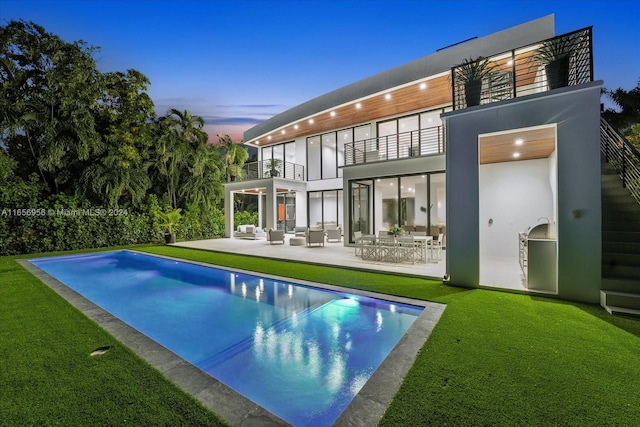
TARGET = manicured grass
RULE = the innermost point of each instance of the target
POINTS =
(494, 358)
(48, 378)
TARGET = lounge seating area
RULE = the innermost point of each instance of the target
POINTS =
(249, 232)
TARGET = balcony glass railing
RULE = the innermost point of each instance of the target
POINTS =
(271, 168)
(423, 142)
(565, 60)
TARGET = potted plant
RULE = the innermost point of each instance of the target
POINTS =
(471, 73)
(170, 220)
(273, 165)
(555, 55)
(395, 230)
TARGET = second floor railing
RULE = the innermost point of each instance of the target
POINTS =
(421, 142)
(565, 60)
(271, 168)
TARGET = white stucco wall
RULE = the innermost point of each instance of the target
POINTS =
(514, 196)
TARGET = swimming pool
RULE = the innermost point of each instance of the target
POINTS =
(302, 353)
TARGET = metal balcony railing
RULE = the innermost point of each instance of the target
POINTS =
(421, 142)
(565, 60)
(622, 156)
(271, 168)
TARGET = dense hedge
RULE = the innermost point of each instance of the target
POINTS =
(65, 223)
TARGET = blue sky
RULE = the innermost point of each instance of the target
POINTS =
(236, 63)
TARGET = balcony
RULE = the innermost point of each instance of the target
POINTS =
(423, 142)
(565, 60)
(271, 168)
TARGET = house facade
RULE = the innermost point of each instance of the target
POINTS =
(508, 173)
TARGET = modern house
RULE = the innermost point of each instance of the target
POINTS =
(507, 167)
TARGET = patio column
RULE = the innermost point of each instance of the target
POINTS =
(272, 205)
(228, 212)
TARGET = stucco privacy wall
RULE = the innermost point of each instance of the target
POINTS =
(439, 62)
(576, 111)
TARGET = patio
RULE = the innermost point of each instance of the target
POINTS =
(332, 254)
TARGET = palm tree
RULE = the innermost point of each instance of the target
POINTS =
(112, 180)
(179, 136)
(203, 187)
(234, 156)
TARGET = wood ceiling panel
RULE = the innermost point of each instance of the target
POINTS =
(406, 99)
(536, 144)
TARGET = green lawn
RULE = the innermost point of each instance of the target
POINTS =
(495, 358)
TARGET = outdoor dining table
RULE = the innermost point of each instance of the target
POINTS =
(394, 248)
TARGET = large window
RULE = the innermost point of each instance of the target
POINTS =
(414, 202)
(280, 158)
(325, 209)
(325, 153)
(414, 135)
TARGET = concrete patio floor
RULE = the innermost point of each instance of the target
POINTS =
(332, 254)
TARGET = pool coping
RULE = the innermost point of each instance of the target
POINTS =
(366, 408)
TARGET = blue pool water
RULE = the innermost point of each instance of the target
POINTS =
(301, 352)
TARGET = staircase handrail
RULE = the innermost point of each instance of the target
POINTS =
(623, 156)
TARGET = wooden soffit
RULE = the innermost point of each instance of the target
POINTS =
(527, 144)
(414, 97)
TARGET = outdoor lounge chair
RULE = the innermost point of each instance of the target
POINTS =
(274, 236)
(315, 237)
(334, 234)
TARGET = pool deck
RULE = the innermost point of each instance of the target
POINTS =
(332, 254)
(366, 408)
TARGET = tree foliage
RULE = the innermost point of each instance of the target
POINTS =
(73, 140)
(628, 112)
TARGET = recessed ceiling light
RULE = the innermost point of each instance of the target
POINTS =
(519, 141)
(423, 86)
(510, 63)
(516, 155)
(257, 142)
(358, 105)
(296, 127)
(387, 96)
(269, 137)
(283, 131)
(310, 121)
(333, 114)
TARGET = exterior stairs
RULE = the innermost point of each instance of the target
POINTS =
(620, 290)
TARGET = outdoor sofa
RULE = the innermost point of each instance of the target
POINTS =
(249, 232)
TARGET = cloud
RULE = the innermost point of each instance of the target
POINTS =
(258, 106)
(224, 121)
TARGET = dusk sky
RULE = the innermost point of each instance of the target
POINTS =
(237, 63)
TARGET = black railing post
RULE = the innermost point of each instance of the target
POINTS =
(624, 171)
(453, 87)
(514, 79)
(590, 32)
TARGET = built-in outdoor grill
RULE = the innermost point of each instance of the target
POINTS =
(537, 255)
